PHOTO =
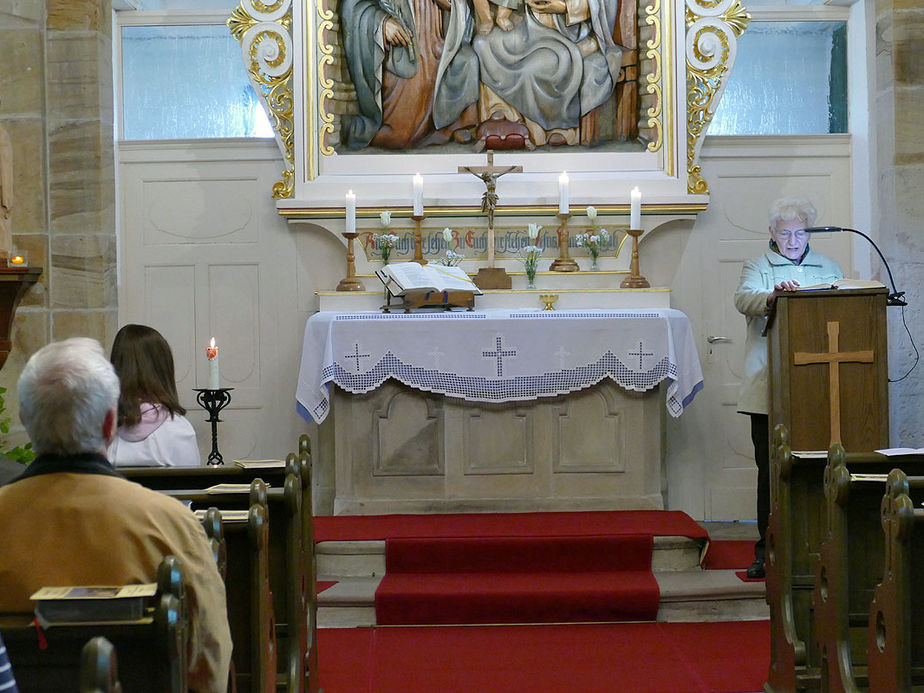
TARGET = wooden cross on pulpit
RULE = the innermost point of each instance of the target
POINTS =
(846, 331)
(834, 358)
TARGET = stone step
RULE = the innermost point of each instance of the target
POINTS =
(354, 559)
(686, 595)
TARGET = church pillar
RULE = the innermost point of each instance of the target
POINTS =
(900, 111)
(56, 103)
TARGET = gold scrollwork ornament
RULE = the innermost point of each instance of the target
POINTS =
(264, 31)
(713, 28)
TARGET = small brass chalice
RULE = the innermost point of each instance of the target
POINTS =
(548, 300)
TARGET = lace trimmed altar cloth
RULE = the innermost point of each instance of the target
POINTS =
(498, 355)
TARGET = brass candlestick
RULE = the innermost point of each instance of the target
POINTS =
(418, 239)
(564, 262)
(350, 282)
(634, 280)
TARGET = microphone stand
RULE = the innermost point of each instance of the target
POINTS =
(896, 298)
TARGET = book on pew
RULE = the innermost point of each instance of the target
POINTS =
(409, 277)
(844, 283)
(82, 604)
(260, 464)
(901, 451)
(230, 488)
(232, 516)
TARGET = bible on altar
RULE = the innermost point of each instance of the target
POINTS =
(411, 277)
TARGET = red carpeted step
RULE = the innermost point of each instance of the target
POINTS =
(517, 580)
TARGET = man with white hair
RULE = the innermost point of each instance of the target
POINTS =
(71, 519)
(787, 264)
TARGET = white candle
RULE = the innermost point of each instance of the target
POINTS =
(418, 195)
(350, 212)
(211, 353)
(563, 203)
(635, 216)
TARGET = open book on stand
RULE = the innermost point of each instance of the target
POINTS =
(428, 286)
(407, 277)
(92, 603)
(845, 283)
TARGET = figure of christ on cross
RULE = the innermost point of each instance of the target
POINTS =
(834, 358)
(489, 174)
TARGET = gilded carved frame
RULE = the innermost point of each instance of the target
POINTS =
(288, 54)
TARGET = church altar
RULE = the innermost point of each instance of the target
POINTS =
(494, 409)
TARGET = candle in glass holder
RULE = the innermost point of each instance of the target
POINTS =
(635, 209)
(564, 204)
(17, 260)
(418, 195)
(211, 353)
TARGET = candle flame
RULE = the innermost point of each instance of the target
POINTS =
(17, 260)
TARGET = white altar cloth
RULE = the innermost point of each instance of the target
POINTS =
(498, 355)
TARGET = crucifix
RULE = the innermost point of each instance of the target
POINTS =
(834, 358)
(494, 277)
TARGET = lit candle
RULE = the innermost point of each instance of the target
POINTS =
(211, 353)
(635, 216)
(563, 203)
(350, 212)
(418, 195)
(18, 260)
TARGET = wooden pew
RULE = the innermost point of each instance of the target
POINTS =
(152, 650)
(794, 538)
(166, 478)
(99, 668)
(895, 635)
(844, 576)
(243, 548)
(310, 565)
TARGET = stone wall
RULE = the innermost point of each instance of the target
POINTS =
(56, 103)
(900, 112)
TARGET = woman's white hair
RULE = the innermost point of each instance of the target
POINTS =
(65, 392)
(792, 208)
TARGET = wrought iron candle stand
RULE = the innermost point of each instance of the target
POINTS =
(213, 401)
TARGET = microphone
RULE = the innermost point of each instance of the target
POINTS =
(896, 298)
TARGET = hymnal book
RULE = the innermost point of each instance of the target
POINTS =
(230, 516)
(230, 488)
(92, 603)
(845, 284)
(411, 277)
(894, 452)
(811, 454)
(260, 464)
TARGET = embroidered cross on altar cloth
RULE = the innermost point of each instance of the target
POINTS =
(498, 355)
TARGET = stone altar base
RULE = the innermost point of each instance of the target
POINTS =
(397, 449)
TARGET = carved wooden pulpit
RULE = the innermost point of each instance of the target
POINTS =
(829, 368)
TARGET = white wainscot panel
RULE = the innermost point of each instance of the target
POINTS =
(201, 211)
(169, 307)
(234, 321)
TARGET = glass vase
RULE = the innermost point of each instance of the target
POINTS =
(593, 263)
(530, 278)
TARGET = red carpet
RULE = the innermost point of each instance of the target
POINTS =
(663, 523)
(517, 580)
(729, 555)
(723, 657)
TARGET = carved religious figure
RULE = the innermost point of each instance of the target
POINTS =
(6, 193)
(528, 74)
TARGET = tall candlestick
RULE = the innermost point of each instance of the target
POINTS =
(350, 212)
(635, 216)
(563, 202)
(418, 195)
(211, 353)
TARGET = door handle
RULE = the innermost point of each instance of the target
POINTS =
(714, 340)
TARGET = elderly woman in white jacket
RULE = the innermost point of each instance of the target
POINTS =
(787, 264)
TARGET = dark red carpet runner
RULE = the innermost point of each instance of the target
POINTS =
(532, 579)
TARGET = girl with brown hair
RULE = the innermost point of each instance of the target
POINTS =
(152, 430)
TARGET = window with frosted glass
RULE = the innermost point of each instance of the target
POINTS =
(186, 82)
(789, 78)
